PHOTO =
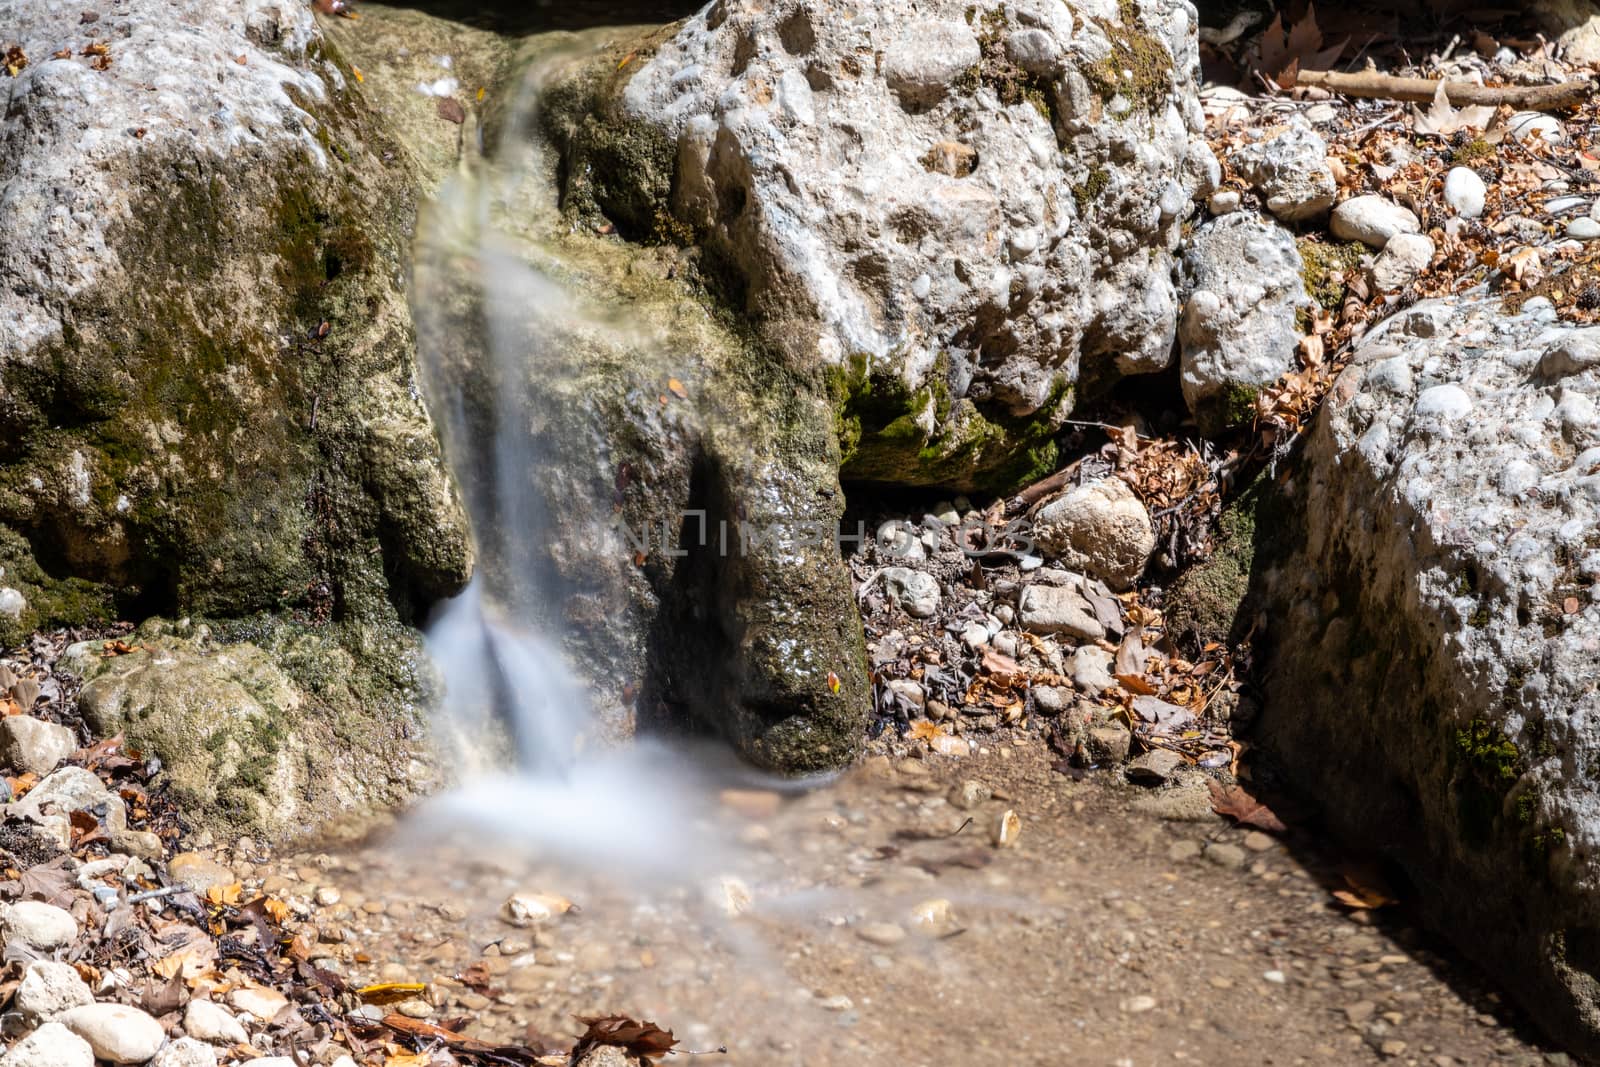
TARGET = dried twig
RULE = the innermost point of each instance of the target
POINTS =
(1377, 86)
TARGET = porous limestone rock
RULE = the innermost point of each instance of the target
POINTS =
(1288, 166)
(1244, 286)
(965, 213)
(1100, 528)
(293, 730)
(1429, 628)
(205, 349)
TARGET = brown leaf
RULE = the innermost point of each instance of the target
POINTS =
(50, 882)
(676, 388)
(86, 829)
(1236, 803)
(1131, 653)
(158, 997)
(999, 663)
(1368, 888)
(643, 1039)
(1135, 683)
(450, 110)
(923, 730)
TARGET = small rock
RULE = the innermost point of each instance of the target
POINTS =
(1583, 228)
(926, 58)
(975, 635)
(275, 1061)
(729, 895)
(1034, 50)
(12, 602)
(212, 1022)
(116, 1032)
(1154, 767)
(1090, 669)
(1223, 202)
(1006, 830)
(197, 871)
(1139, 1004)
(966, 795)
(837, 1002)
(49, 988)
(1372, 220)
(934, 917)
(34, 745)
(1525, 124)
(1108, 743)
(1464, 191)
(1052, 699)
(1183, 851)
(1359, 1012)
(52, 1045)
(948, 745)
(40, 926)
(1244, 286)
(1402, 259)
(916, 593)
(881, 934)
(141, 843)
(1256, 841)
(1059, 609)
(1290, 170)
(1275, 977)
(532, 909)
(1225, 855)
(1100, 528)
(186, 1052)
(259, 1002)
(327, 896)
(415, 1008)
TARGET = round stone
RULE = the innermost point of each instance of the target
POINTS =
(116, 1032)
(1583, 228)
(1464, 191)
(38, 925)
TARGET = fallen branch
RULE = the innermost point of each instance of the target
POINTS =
(1377, 86)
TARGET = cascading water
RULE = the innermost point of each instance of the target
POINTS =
(497, 321)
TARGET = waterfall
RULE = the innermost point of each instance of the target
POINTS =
(495, 318)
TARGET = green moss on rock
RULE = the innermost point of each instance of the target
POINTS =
(891, 433)
(1326, 266)
(1137, 52)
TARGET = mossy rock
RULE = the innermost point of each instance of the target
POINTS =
(298, 729)
(225, 421)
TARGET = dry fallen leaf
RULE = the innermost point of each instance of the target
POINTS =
(1236, 803)
(1442, 119)
(1368, 888)
(220, 895)
(450, 109)
(676, 388)
(923, 730)
(643, 1039)
(391, 992)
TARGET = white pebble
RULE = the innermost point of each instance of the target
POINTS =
(1464, 191)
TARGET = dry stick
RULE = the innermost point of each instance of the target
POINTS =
(1377, 86)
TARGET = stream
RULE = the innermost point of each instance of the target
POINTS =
(868, 918)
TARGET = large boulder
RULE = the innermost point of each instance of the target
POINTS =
(206, 355)
(273, 730)
(1430, 636)
(964, 212)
